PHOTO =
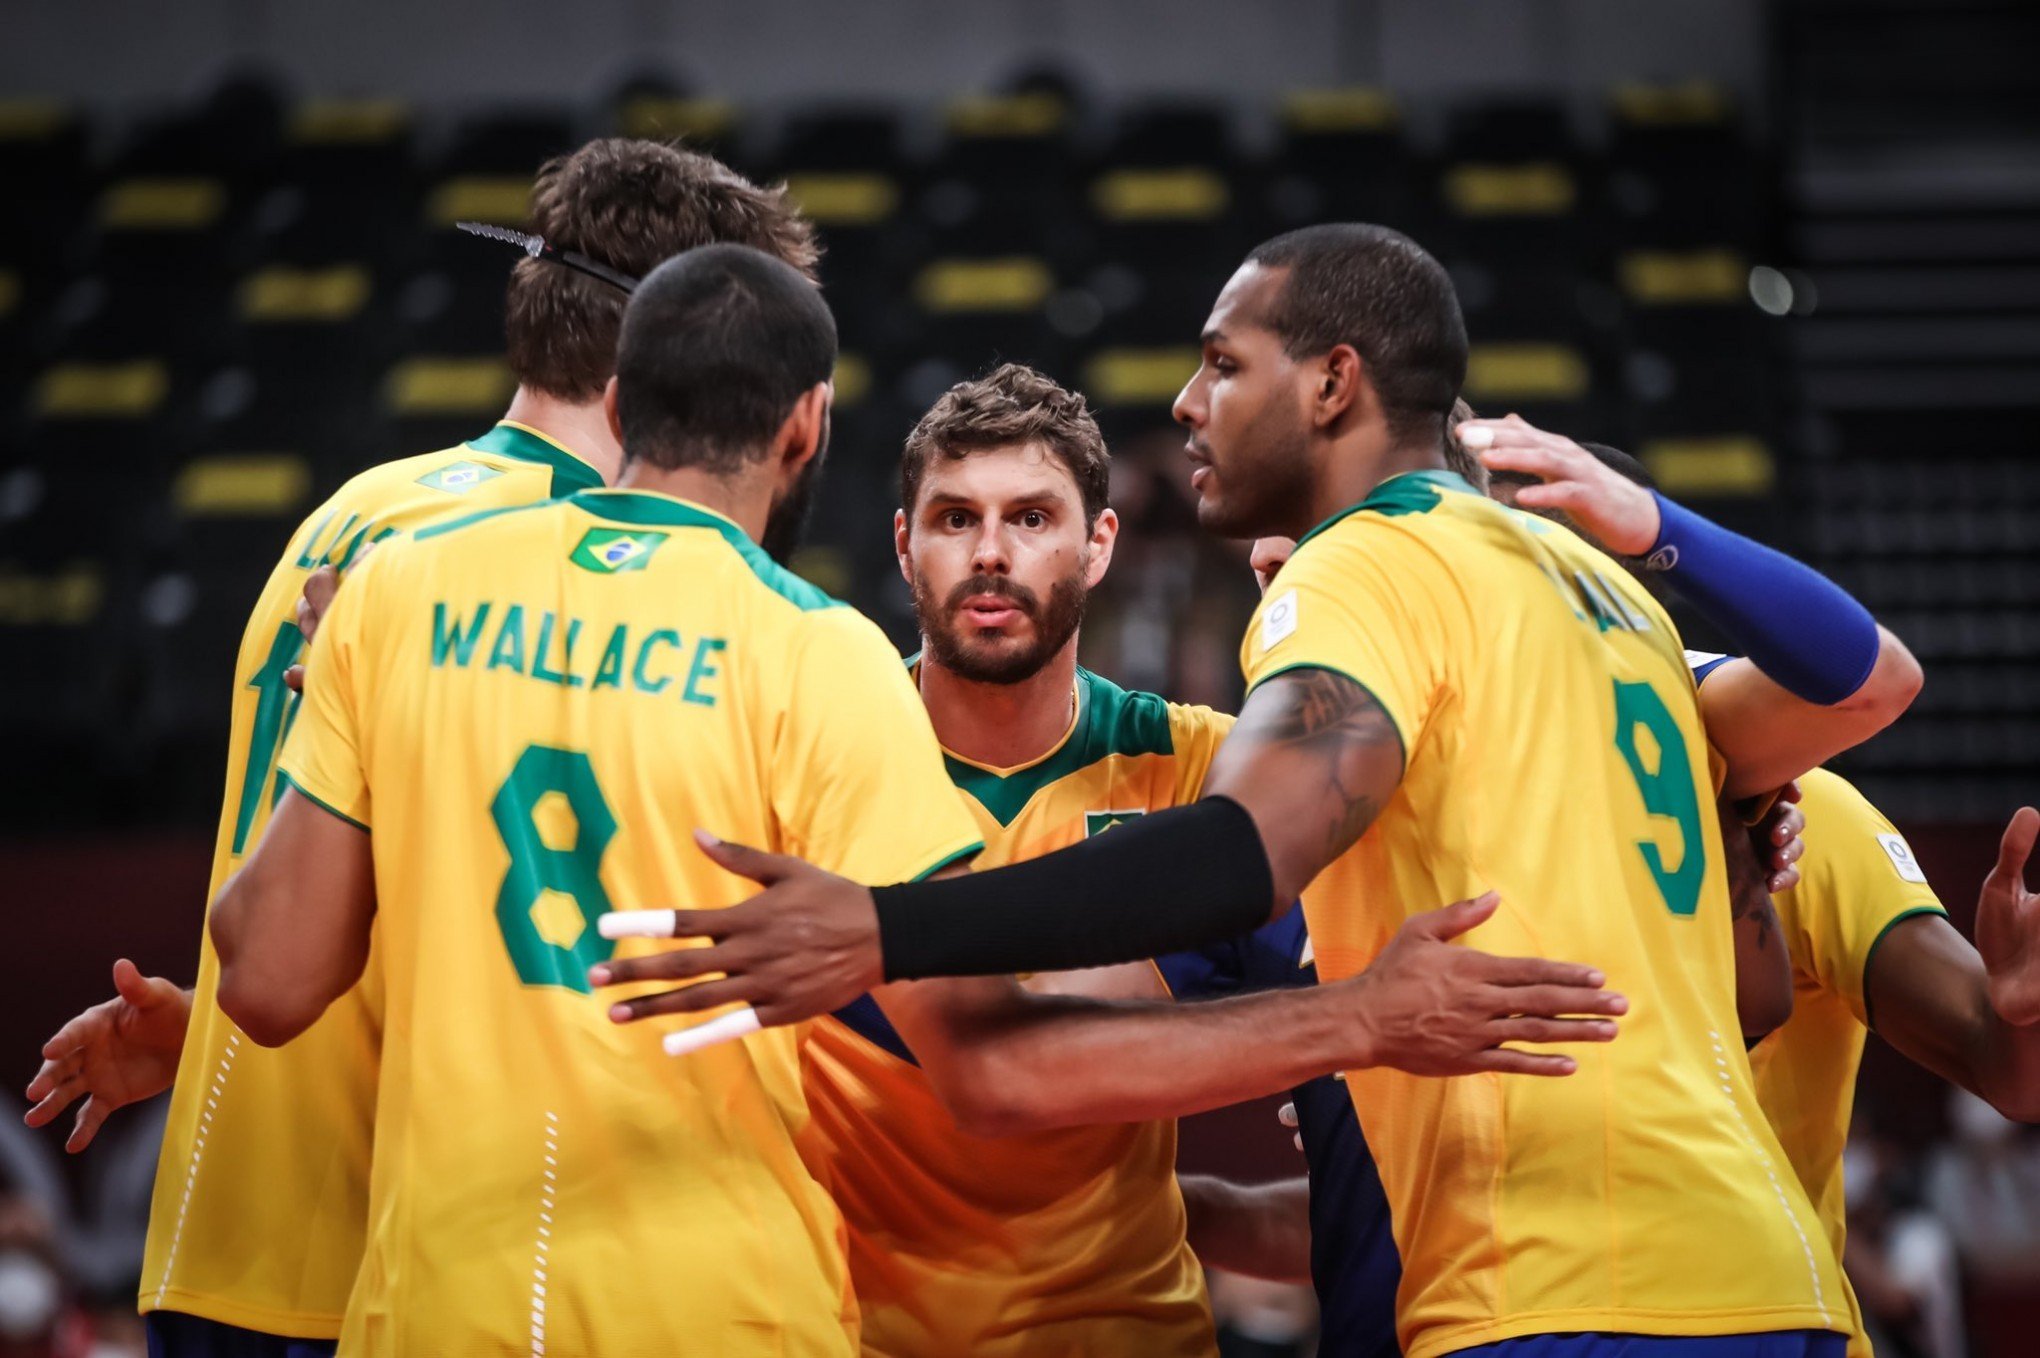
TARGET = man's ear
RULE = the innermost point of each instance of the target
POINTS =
(1341, 386)
(609, 410)
(900, 536)
(800, 437)
(1104, 535)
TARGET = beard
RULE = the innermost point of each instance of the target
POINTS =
(786, 523)
(952, 646)
(1265, 483)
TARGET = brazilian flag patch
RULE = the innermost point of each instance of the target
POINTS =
(458, 478)
(606, 551)
(1098, 822)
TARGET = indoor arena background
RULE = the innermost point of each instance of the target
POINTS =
(1789, 254)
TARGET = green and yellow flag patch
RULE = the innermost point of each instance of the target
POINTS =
(458, 478)
(606, 551)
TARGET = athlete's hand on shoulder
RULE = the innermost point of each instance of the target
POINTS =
(119, 1051)
(1778, 838)
(2008, 925)
(320, 587)
(806, 945)
(1430, 1008)
(1622, 514)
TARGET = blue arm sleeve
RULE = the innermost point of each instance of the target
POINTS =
(1797, 626)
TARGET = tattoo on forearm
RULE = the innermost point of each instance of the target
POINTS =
(1343, 729)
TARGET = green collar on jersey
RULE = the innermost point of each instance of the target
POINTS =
(569, 473)
(1110, 721)
(1406, 493)
(654, 509)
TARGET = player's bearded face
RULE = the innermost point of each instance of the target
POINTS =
(1005, 654)
(787, 521)
(1245, 409)
(1259, 464)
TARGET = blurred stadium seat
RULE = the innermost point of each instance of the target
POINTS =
(326, 316)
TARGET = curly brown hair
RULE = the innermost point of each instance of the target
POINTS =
(630, 204)
(1011, 406)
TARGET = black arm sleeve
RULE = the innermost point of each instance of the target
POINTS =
(1176, 879)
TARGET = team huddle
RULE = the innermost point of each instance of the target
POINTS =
(617, 947)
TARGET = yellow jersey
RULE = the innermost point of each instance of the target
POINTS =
(262, 1183)
(1062, 1242)
(1857, 880)
(1552, 752)
(529, 711)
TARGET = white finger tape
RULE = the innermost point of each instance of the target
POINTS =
(636, 924)
(724, 1028)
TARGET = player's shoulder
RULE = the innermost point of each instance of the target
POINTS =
(1830, 800)
(1418, 521)
(1431, 500)
(1120, 721)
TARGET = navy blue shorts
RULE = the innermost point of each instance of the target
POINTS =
(175, 1335)
(1774, 1344)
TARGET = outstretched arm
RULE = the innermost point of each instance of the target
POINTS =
(1006, 1061)
(1971, 1014)
(1311, 761)
(1821, 676)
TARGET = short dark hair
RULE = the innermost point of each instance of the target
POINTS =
(627, 203)
(1622, 464)
(717, 345)
(1011, 405)
(1377, 290)
(1457, 457)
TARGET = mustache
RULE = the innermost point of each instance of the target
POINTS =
(1023, 598)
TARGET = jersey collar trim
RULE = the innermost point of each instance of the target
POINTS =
(570, 472)
(1110, 721)
(1397, 495)
(651, 508)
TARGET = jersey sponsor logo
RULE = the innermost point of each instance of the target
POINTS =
(1902, 859)
(1098, 822)
(1278, 619)
(458, 478)
(608, 551)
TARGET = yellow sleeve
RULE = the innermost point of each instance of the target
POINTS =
(1196, 733)
(1857, 880)
(1361, 602)
(322, 754)
(859, 787)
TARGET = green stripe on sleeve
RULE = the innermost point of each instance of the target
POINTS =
(324, 806)
(1878, 942)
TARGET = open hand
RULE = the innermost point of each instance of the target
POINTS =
(1621, 514)
(1431, 1008)
(806, 945)
(2008, 925)
(120, 1051)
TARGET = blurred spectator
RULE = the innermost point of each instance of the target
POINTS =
(1258, 1319)
(1985, 1184)
(1168, 617)
(1899, 1257)
(39, 1312)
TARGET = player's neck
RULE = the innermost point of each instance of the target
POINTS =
(582, 430)
(1359, 462)
(745, 500)
(1001, 725)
